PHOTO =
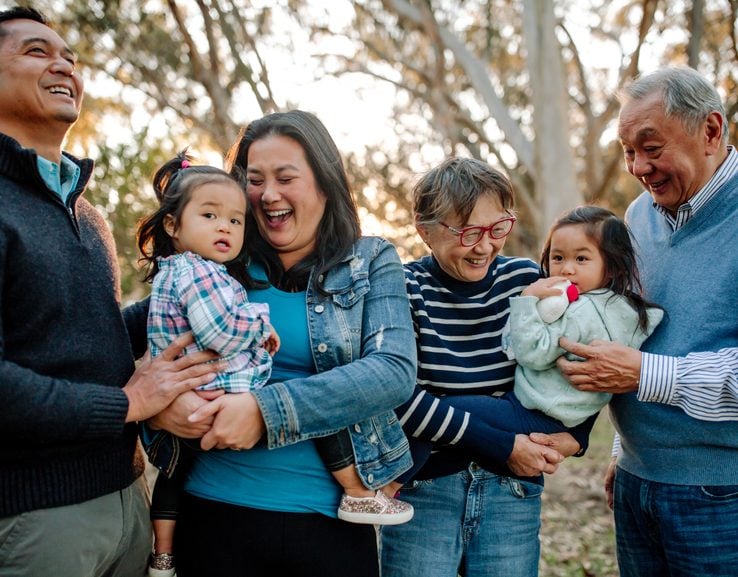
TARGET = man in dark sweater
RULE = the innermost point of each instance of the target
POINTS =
(72, 499)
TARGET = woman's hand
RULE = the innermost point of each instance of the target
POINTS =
(529, 459)
(238, 422)
(564, 443)
(175, 417)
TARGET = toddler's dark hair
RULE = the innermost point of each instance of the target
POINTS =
(174, 184)
(613, 239)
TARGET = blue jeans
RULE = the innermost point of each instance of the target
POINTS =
(675, 530)
(473, 521)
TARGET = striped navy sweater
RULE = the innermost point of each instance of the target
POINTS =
(458, 327)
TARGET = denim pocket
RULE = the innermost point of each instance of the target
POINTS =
(416, 485)
(348, 296)
(720, 492)
(523, 489)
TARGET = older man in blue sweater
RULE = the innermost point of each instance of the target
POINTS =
(72, 501)
(674, 488)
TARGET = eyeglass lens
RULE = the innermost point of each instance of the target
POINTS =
(474, 234)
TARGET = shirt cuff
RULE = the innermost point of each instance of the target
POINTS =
(658, 379)
(616, 447)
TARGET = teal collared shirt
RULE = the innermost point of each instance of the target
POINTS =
(61, 178)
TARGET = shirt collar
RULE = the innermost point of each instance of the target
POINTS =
(61, 178)
(727, 169)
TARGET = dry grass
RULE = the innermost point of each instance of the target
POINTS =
(577, 535)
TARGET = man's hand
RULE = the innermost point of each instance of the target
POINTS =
(610, 482)
(238, 423)
(529, 459)
(607, 367)
(157, 382)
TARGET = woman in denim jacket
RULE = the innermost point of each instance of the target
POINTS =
(347, 359)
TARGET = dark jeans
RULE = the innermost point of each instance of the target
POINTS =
(216, 539)
(675, 530)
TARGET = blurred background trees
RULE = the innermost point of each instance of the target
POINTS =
(526, 85)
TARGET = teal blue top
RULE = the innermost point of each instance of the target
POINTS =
(290, 478)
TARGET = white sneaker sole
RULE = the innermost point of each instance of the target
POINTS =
(375, 518)
(161, 572)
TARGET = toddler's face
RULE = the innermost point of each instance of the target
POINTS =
(576, 257)
(212, 222)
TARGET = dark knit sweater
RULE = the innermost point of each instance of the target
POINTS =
(65, 348)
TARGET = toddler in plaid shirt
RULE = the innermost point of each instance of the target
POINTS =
(192, 246)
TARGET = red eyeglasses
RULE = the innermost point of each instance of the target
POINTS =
(471, 235)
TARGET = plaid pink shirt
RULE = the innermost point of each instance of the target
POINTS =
(190, 293)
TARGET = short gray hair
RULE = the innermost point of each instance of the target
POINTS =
(455, 186)
(686, 95)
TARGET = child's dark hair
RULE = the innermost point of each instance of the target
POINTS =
(613, 239)
(174, 184)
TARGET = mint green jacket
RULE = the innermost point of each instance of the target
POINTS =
(599, 314)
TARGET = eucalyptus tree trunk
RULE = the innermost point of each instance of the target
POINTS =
(554, 172)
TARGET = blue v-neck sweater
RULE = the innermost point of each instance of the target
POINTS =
(693, 274)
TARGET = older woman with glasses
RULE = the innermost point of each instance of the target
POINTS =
(475, 485)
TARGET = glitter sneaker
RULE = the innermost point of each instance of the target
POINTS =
(161, 565)
(377, 510)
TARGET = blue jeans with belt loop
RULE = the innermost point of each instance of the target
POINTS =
(675, 530)
(473, 521)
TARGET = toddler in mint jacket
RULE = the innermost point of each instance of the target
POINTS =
(533, 343)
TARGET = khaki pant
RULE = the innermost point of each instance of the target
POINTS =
(105, 537)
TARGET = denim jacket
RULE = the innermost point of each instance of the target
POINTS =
(363, 347)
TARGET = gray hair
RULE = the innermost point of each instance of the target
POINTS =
(455, 186)
(687, 95)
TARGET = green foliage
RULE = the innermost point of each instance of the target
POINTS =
(121, 190)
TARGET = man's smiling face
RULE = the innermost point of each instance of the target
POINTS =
(37, 79)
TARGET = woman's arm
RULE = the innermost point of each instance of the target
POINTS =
(437, 420)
